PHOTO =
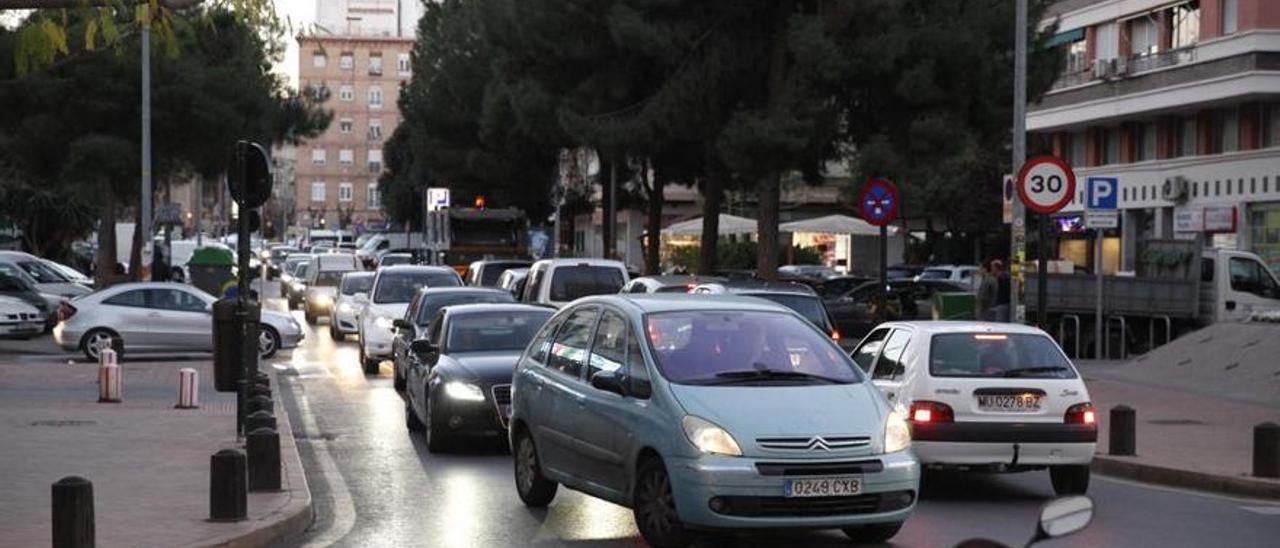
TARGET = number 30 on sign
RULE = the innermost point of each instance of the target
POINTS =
(1046, 184)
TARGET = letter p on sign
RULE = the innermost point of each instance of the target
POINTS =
(1102, 192)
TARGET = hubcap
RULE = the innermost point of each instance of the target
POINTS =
(265, 343)
(658, 506)
(524, 464)
(98, 342)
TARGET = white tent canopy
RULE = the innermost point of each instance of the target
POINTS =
(729, 224)
(835, 224)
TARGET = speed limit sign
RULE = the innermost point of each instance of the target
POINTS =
(1046, 184)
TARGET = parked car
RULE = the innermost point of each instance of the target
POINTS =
(346, 307)
(512, 280)
(486, 273)
(19, 288)
(422, 309)
(676, 283)
(393, 259)
(44, 278)
(459, 382)
(150, 317)
(393, 287)
(70, 273)
(19, 319)
(948, 272)
(797, 297)
(901, 271)
(556, 282)
(276, 259)
(708, 413)
(854, 313)
(986, 396)
(296, 288)
(814, 272)
(834, 287)
(322, 283)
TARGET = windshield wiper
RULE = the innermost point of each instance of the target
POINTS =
(1025, 370)
(771, 374)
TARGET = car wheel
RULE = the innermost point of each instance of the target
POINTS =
(1069, 479)
(437, 440)
(876, 533)
(398, 379)
(311, 318)
(535, 490)
(268, 342)
(372, 366)
(97, 339)
(655, 508)
(333, 332)
(411, 420)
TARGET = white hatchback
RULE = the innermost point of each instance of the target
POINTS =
(986, 396)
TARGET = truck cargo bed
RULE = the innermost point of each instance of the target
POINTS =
(1126, 295)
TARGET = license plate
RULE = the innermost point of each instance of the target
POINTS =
(1021, 403)
(822, 487)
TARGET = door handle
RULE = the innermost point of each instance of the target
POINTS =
(1231, 305)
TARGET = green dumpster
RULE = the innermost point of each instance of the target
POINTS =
(954, 306)
(210, 268)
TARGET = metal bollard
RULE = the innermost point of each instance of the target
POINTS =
(228, 493)
(73, 524)
(259, 390)
(260, 403)
(110, 385)
(1124, 431)
(188, 388)
(1266, 450)
(259, 419)
(263, 449)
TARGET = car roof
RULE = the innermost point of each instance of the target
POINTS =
(357, 274)
(580, 261)
(430, 269)
(950, 326)
(477, 308)
(682, 279)
(464, 289)
(747, 287)
(679, 302)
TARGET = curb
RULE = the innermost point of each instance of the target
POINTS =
(1173, 477)
(294, 517)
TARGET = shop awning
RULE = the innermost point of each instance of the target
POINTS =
(835, 224)
(729, 224)
(1065, 38)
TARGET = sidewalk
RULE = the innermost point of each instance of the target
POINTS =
(149, 462)
(1184, 439)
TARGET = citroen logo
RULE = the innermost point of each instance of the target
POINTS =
(818, 444)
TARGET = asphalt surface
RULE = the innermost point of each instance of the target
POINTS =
(374, 484)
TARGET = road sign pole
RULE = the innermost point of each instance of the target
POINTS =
(884, 257)
(1097, 312)
(1042, 274)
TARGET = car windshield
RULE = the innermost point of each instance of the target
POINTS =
(41, 272)
(494, 331)
(805, 305)
(997, 355)
(935, 274)
(433, 303)
(392, 260)
(10, 282)
(328, 278)
(356, 284)
(744, 347)
(573, 282)
(399, 287)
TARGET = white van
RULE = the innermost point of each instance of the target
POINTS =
(557, 282)
(322, 283)
(375, 245)
(1235, 285)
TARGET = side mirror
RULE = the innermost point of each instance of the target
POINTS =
(401, 323)
(1063, 516)
(608, 381)
(423, 348)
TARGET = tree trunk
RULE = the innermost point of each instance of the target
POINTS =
(135, 249)
(712, 196)
(653, 227)
(106, 259)
(767, 227)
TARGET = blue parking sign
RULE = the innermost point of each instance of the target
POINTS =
(1101, 192)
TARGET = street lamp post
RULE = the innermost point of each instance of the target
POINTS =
(144, 226)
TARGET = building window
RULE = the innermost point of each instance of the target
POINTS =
(319, 59)
(346, 157)
(1145, 136)
(375, 64)
(347, 61)
(1185, 22)
(1230, 16)
(375, 161)
(345, 125)
(317, 191)
(1077, 148)
(344, 192)
(346, 93)
(375, 97)
(375, 129)
(318, 156)
(1077, 60)
(1271, 125)
(1230, 127)
(373, 200)
(1187, 137)
(1110, 145)
(402, 64)
(1143, 36)
(1108, 41)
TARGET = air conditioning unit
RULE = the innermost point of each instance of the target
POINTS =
(1174, 189)
(1121, 67)
(1100, 68)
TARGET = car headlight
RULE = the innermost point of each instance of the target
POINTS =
(709, 438)
(897, 436)
(323, 300)
(463, 391)
(345, 308)
(383, 322)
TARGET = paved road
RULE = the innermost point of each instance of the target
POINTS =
(375, 485)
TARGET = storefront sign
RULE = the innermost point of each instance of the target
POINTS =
(1188, 220)
(1101, 218)
(1220, 219)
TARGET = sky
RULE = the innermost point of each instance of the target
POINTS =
(299, 14)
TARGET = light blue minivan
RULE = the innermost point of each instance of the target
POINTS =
(705, 413)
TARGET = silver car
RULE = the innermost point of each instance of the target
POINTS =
(156, 317)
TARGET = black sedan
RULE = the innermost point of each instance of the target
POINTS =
(422, 309)
(857, 310)
(460, 385)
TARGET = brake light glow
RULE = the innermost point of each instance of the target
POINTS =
(923, 412)
(990, 337)
(1081, 413)
(835, 335)
(922, 415)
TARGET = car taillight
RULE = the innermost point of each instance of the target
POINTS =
(1081, 413)
(66, 311)
(931, 412)
(835, 335)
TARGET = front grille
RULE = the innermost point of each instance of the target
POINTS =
(814, 443)
(501, 399)
(774, 507)
(838, 468)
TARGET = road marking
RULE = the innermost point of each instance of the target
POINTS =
(344, 510)
(1180, 490)
(1264, 510)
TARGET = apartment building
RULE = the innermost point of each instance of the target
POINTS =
(1179, 100)
(360, 54)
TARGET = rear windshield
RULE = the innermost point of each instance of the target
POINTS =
(400, 287)
(935, 274)
(490, 273)
(392, 260)
(433, 303)
(807, 306)
(328, 278)
(572, 282)
(673, 289)
(997, 355)
(356, 284)
(741, 347)
(495, 331)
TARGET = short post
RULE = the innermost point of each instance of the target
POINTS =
(73, 525)
(259, 403)
(1266, 450)
(228, 494)
(188, 388)
(263, 448)
(259, 419)
(259, 390)
(109, 381)
(1124, 424)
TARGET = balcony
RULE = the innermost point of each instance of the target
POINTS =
(1145, 63)
(1122, 67)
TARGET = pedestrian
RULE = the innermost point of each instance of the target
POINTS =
(1003, 285)
(985, 302)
